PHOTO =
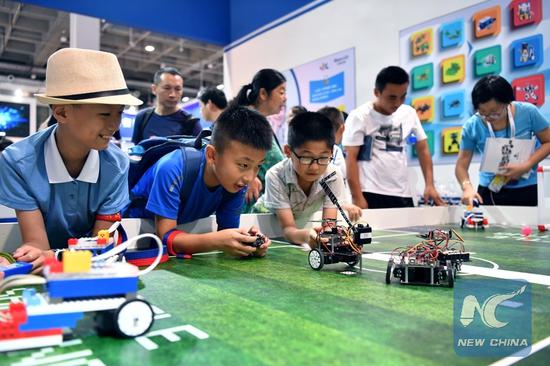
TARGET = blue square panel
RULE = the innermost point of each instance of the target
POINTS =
(527, 51)
(451, 34)
(452, 104)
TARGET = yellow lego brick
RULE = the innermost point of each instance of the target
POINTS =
(103, 234)
(77, 261)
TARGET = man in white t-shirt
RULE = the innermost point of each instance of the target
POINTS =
(375, 138)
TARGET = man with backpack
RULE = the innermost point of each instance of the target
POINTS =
(166, 118)
(189, 182)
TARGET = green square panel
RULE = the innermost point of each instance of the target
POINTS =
(422, 76)
(488, 61)
(431, 144)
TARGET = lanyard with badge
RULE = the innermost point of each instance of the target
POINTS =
(501, 151)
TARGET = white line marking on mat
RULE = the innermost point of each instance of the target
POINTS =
(495, 266)
(518, 356)
(52, 359)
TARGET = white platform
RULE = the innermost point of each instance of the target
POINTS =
(10, 237)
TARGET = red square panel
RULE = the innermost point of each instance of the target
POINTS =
(530, 89)
(525, 12)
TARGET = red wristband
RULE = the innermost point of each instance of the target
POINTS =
(168, 239)
(111, 218)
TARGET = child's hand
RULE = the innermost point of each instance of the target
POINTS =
(354, 212)
(31, 254)
(262, 250)
(254, 190)
(313, 233)
(231, 242)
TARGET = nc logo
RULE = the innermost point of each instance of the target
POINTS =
(487, 311)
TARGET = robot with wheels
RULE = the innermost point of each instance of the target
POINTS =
(473, 218)
(434, 261)
(80, 284)
(344, 243)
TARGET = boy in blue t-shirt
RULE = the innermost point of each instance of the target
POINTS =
(69, 180)
(240, 139)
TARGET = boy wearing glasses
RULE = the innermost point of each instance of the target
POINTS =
(292, 189)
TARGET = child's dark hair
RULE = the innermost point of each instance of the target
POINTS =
(267, 79)
(335, 116)
(244, 125)
(310, 126)
(390, 75)
(492, 87)
(214, 95)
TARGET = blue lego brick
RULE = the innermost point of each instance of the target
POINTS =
(49, 321)
(72, 288)
(132, 254)
(16, 268)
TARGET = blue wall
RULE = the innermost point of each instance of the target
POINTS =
(201, 20)
(214, 21)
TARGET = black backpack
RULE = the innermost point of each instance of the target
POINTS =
(148, 112)
(151, 150)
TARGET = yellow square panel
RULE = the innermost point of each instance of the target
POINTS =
(422, 42)
(453, 69)
(424, 108)
(451, 140)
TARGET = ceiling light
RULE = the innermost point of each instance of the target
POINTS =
(149, 48)
(220, 86)
(185, 99)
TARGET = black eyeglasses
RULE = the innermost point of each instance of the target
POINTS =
(324, 160)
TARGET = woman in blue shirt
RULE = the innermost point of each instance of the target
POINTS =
(499, 116)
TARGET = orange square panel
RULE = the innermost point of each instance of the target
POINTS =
(487, 22)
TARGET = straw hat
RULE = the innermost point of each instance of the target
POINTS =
(79, 76)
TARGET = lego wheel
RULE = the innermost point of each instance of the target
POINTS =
(316, 259)
(389, 271)
(450, 274)
(133, 318)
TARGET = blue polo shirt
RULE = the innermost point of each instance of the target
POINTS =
(161, 186)
(178, 123)
(528, 121)
(68, 205)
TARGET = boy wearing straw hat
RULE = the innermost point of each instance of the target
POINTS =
(69, 180)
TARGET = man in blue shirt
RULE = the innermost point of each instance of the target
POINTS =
(166, 118)
(69, 180)
(240, 139)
